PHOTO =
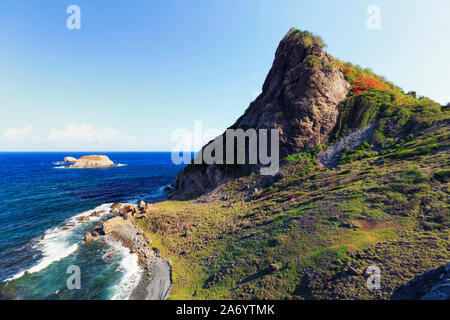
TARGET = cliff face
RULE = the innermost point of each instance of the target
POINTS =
(299, 97)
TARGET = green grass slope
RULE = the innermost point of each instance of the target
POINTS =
(313, 232)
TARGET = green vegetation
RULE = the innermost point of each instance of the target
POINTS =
(312, 232)
(321, 228)
(374, 98)
(363, 151)
(309, 38)
(313, 61)
(313, 224)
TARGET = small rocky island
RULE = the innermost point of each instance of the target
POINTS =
(90, 161)
(69, 160)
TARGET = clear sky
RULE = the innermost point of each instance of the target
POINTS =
(138, 70)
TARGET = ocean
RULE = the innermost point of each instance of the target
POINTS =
(40, 202)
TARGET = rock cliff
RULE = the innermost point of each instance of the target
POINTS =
(299, 97)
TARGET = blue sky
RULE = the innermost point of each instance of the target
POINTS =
(138, 70)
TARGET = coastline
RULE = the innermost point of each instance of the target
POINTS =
(156, 278)
(152, 280)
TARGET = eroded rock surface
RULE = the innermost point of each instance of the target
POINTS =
(300, 97)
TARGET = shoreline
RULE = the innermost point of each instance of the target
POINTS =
(156, 277)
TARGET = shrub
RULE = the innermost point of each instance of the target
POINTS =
(312, 61)
(361, 152)
(309, 38)
(330, 66)
(373, 97)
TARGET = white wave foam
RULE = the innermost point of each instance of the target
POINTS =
(56, 243)
(67, 166)
(130, 268)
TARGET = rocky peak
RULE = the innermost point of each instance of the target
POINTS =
(299, 97)
(300, 94)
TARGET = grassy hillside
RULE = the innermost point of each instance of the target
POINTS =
(310, 233)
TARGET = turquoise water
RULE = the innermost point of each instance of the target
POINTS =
(39, 236)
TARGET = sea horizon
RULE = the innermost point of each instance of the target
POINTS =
(39, 242)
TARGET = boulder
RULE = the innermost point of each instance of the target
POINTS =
(111, 255)
(128, 208)
(88, 238)
(116, 205)
(84, 218)
(141, 204)
(432, 285)
(112, 224)
(95, 214)
(69, 160)
(93, 161)
(95, 234)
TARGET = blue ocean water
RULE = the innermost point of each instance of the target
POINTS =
(39, 236)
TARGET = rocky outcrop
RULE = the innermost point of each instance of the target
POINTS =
(432, 285)
(69, 160)
(128, 208)
(88, 238)
(330, 157)
(112, 224)
(141, 204)
(93, 161)
(299, 97)
(116, 205)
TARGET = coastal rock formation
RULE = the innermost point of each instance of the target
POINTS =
(156, 279)
(300, 97)
(112, 224)
(88, 238)
(141, 204)
(432, 285)
(128, 208)
(93, 161)
(69, 160)
(116, 205)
